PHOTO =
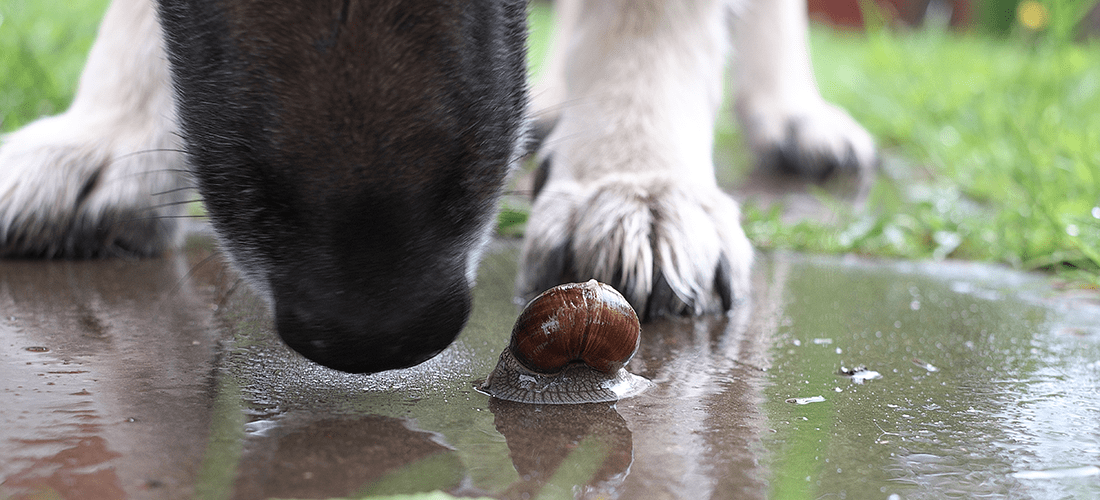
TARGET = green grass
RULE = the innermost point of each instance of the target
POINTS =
(994, 141)
(999, 141)
(42, 49)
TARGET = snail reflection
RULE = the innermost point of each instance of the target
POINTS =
(570, 345)
(564, 447)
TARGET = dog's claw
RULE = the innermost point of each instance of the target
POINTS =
(670, 249)
(816, 141)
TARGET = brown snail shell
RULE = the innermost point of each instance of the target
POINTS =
(570, 345)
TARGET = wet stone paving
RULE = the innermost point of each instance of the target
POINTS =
(841, 377)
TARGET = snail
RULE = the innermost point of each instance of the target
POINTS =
(570, 345)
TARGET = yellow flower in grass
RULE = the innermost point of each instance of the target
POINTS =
(1033, 15)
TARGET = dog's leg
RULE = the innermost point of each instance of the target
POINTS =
(787, 123)
(101, 178)
(628, 194)
(548, 92)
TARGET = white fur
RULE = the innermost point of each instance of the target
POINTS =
(778, 102)
(117, 139)
(631, 187)
(635, 87)
(636, 84)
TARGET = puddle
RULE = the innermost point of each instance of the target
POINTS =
(841, 378)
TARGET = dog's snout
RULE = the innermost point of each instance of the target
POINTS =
(358, 333)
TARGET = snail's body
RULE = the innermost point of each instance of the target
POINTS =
(576, 383)
(570, 345)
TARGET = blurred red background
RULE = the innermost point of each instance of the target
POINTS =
(846, 13)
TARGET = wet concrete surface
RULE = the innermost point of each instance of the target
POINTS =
(162, 379)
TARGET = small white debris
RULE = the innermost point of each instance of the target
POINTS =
(859, 374)
(806, 401)
(926, 366)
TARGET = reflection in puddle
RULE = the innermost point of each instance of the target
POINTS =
(299, 455)
(1086, 471)
(987, 389)
(555, 447)
(103, 386)
(1003, 402)
(74, 463)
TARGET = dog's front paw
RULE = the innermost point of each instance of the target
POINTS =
(670, 248)
(73, 189)
(810, 137)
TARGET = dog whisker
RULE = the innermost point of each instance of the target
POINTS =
(176, 190)
(190, 273)
(149, 151)
(161, 217)
(173, 204)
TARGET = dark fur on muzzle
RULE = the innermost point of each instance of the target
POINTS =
(351, 155)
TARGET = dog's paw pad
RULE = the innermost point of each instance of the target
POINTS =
(670, 249)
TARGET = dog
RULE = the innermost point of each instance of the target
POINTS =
(351, 154)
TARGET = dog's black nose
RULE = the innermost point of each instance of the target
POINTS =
(360, 333)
